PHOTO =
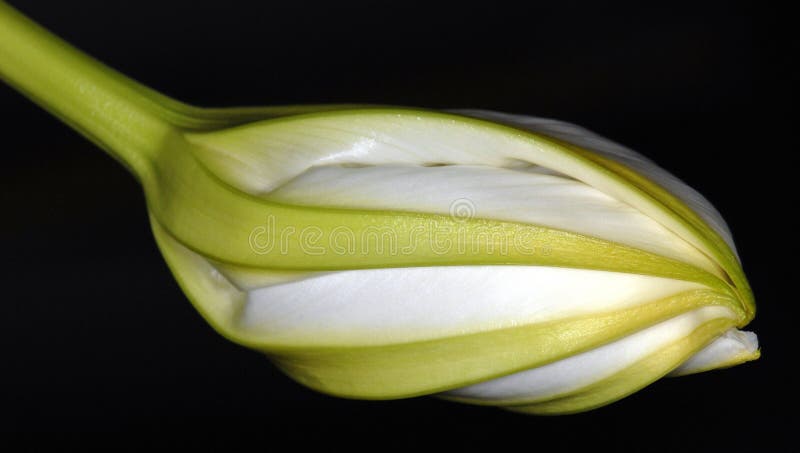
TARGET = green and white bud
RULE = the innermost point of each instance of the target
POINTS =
(386, 253)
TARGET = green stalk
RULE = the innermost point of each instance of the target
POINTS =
(127, 119)
(113, 111)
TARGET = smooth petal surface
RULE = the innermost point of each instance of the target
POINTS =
(587, 139)
(732, 348)
(582, 370)
(397, 305)
(512, 194)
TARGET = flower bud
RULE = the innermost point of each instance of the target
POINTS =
(387, 253)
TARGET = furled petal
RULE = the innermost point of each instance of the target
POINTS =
(396, 305)
(574, 374)
(732, 348)
(514, 194)
(587, 139)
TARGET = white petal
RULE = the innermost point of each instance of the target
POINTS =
(584, 369)
(732, 348)
(260, 157)
(587, 139)
(383, 306)
(521, 195)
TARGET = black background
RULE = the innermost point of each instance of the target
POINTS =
(96, 335)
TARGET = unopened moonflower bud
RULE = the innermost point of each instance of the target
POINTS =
(385, 253)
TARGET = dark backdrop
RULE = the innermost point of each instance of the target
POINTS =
(97, 336)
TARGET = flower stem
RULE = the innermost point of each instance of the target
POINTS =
(123, 117)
